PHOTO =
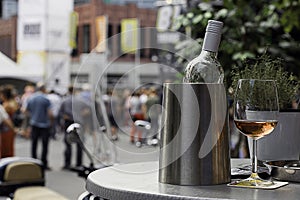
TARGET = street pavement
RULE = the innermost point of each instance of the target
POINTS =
(103, 150)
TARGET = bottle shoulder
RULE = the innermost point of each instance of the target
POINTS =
(204, 68)
(205, 59)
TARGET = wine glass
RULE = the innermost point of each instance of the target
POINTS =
(256, 113)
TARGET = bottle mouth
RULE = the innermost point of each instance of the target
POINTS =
(214, 26)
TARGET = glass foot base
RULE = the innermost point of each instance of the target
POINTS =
(254, 181)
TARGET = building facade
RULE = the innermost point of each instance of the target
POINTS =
(119, 63)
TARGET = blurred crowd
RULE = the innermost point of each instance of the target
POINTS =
(41, 115)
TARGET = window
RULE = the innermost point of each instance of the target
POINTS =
(117, 80)
(143, 43)
(86, 39)
(109, 36)
(5, 45)
(79, 2)
(120, 52)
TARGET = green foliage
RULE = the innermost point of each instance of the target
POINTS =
(256, 95)
(188, 50)
(267, 68)
(250, 27)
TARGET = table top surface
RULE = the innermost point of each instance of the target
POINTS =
(140, 181)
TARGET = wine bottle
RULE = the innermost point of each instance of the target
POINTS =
(206, 68)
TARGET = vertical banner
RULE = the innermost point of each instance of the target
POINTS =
(166, 15)
(164, 18)
(129, 35)
(101, 31)
(73, 29)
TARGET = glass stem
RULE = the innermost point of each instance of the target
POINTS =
(254, 156)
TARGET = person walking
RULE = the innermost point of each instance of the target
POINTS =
(25, 127)
(55, 100)
(73, 109)
(41, 117)
(112, 107)
(7, 134)
(153, 110)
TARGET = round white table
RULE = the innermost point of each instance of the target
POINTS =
(138, 181)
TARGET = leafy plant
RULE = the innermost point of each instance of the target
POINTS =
(249, 26)
(265, 67)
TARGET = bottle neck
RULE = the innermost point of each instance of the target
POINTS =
(211, 41)
(206, 53)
